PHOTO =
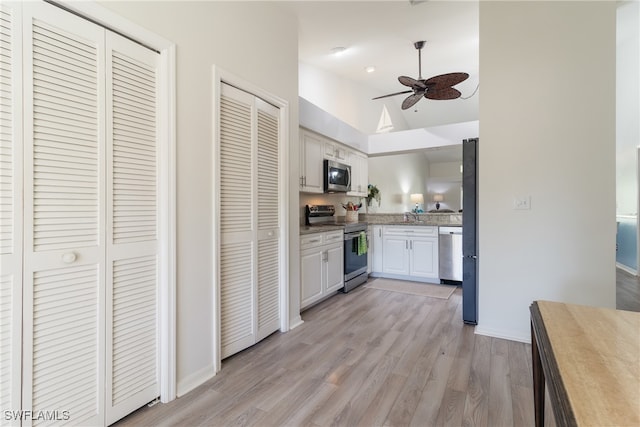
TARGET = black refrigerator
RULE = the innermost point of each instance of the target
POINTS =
(470, 231)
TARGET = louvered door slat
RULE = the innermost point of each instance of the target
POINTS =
(249, 199)
(132, 205)
(127, 193)
(62, 122)
(268, 220)
(236, 224)
(268, 287)
(236, 296)
(10, 209)
(268, 195)
(235, 166)
(64, 204)
(54, 365)
(134, 326)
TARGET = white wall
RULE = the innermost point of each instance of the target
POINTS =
(346, 99)
(547, 130)
(397, 176)
(257, 41)
(628, 106)
(444, 178)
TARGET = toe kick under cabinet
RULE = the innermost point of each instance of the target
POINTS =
(409, 252)
(321, 266)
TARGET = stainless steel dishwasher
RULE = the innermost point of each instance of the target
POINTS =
(450, 254)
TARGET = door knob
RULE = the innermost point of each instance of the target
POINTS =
(69, 257)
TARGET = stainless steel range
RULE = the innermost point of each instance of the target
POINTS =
(356, 243)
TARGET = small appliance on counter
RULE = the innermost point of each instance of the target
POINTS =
(356, 243)
(319, 215)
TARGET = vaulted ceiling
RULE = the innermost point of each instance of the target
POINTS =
(381, 34)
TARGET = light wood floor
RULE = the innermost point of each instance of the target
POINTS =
(367, 358)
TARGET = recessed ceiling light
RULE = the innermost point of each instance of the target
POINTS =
(370, 69)
(338, 50)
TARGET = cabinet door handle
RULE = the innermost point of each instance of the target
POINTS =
(411, 244)
(380, 232)
(406, 244)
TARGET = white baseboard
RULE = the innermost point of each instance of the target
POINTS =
(194, 380)
(627, 269)
(294, 323)
(505, 335)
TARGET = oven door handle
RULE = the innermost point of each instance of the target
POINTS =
(351, 236)
(354, 235)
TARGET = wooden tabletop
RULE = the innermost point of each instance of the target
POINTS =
(596, 353)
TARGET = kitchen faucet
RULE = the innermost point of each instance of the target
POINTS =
(415, 216)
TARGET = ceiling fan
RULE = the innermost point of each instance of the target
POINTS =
(437, 87)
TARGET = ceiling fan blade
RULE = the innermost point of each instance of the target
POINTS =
(393, 94)
(442, 94)
(411, 82)
(444, 81)
(412, 99)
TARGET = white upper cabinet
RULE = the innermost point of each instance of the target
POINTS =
(359, 173)
(311, 155)
(334, 151)
(315, 148)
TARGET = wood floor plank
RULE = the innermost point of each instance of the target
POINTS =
(379, 407)
(461, 370)
(500, 402)
(522, 402)
(432, 396)
(366, 358)
(476, 410)
(451, 408)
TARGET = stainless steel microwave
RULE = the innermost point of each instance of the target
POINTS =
(337, 177)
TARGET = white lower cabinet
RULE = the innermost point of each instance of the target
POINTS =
(407, 253)
(321, 266)
(423, 257)
(396, 255)
(375, 249)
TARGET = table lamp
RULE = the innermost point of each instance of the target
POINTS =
(417, 199)
(438, 198)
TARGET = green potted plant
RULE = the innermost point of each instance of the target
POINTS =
(373, 193)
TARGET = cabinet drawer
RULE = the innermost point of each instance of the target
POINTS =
(408, 231)
(333, 236)
(311, 240)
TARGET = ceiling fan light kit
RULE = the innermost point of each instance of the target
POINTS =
(438, 87)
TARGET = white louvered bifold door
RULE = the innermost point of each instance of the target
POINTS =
(268, 217)
(10, 209)
(64, 267)
(236, 263)
(132, 227)
(249, 277)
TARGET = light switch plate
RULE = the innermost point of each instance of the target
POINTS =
(522, 202)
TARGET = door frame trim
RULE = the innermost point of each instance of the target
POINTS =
(167, 181)
(222, 76)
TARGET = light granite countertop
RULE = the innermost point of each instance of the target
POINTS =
(425, 220)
